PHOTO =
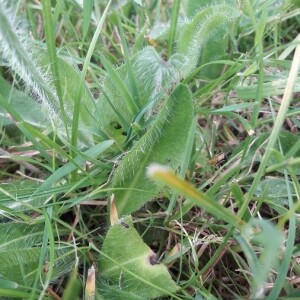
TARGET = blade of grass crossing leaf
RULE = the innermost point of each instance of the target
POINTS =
(165, 176)
(210, 86)
(185, 162)
(73, 165)
(76, 113)
(51, 144)
(92, 159)
(239, 197)
(46, 142)
(173, 27)
(25, 129)
(12, 213)
(234, 68)
(188, 149)
(51, 249)
(50, 41)
(188, 205)
(43, 253)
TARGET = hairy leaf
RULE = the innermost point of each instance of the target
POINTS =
(24, 105)
(20, 265)
(20, 251)
(197, 31)
(154, 76)
(19, 235)
(130, 265)
(163, 143)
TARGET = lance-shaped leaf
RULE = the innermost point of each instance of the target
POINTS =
(197, 31)
(164, 143)
(24, 105)
(130, 266)
(20, 252)
(155, 76)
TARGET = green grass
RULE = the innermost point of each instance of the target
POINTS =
(149, 149)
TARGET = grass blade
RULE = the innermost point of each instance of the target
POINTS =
(163, 175)
(76, 112)
(50, 40)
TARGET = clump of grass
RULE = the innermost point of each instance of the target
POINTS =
(85, 209)
(16, 49)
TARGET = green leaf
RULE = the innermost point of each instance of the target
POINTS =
(69, 79)
(72, 165)
(192, 7)
(204, 25)
(19, 235)
(130, 265)
(4, 283)
(258, 233)
(215, 48)
(16, 196)
(275, 189)
(274, 86)
(120, 86)
(24, 105)
(165, 176)
(87, 13)
(138, 2)
(154, 76)
(164, 143)
(20, 265)
(21, 57)
(20, 252)
(73, 286)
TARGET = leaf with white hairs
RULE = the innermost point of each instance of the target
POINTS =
(164, 143)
